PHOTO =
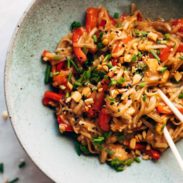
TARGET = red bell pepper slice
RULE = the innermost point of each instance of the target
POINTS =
(104, 119)
(155, 155)
(60, 66)
(66, 127)
(178, 22)
(91, 18)
(52, 95)
(77, 33)
(164, 54)
(180, 48)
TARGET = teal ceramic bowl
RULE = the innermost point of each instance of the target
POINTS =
(43, 24)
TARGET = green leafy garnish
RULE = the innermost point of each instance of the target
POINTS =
(81, 148)
(181, 95)
(107, 57)
(139, 33)
(136, 159)
(134, 58)
(74, 65)
(142, 84)
(1, 167)
(75, 25)
(121, 81)
(109, 65)
(116, 15)
(155, 55)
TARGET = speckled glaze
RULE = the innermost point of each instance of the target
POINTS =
(42, 26)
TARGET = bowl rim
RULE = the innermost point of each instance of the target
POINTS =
(8, 61)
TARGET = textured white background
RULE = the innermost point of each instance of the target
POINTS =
(10, 150)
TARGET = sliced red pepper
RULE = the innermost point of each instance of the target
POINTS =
(114, 62)
(164, 54)
(52, 95)
(77, 33)
(60, 66)
(178, 22)
(154, 154)
(102, 23)
(140, 147)
(104, 119)
(180, 48)
(66, 127)
(91, 18)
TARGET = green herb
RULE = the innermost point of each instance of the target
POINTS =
(116, 164)
(112, 82)
(163, 69)
(106, 134)
(142, 84)
(1, 167)
(110, 152)
(14, 180)
(94, 38)
(181, 57)
(96, 76)
(167, 36)
(107, 57)
(75, 25)
(84, 149)
(77, 84)
(139, 33)
(74, 65)
(70, 76)
(101, 35)
(100, 45)
(112, 100)
(22, 164)
(144, 97)
(116, 15)
(155, 55)
(181, 95)
(109, 65)
(98, 140)
(139, 54)
(47, 74)
(128, 162)
(87, 75)
(68, 63)
(121, 81)
(136, 159)
(134, 58)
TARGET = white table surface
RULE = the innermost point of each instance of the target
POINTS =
(10, 150)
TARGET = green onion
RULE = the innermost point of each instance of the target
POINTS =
(155, 55)
(116, 15)
(112, 82)
(106, 134)
(136, 159)
(67, 94)
(144, 97)
(98, 140)
(107, 57)
(112, 100)
(70, 76)
(1, 167)
(167, 36)
(128, 162)
(94, 38)
(121, 81)
(181, 95)
(181, 57)
(134, 58)
(101, 35)
(100, 45)
(84, 149)
(14, 180)
(109, 65)
(116, 164)
(75, 66)
(163, 69)
(75, 25)
(142, 84)
(68, 63)
(139, 33)
(47, 74)
(22, 164)
(139, 54)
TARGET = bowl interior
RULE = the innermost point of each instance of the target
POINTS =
(42, 27)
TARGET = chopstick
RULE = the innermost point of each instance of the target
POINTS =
(165, 130)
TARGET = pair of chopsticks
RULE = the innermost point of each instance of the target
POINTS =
(165, 130)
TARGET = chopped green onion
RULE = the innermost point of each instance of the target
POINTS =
(98, 140)
(136, 159)
(163, 69)
(68, 63)
(142, 84)
(121, 81)
(144, 97)
(167, 36)
(106, 134)
(155, 55)
(75, 66)
(112, 100)
(84, 149)
(181, 95)
(139, 33)
(70, 76)
(47, 74)
(134, 58)
(75, 25)
(94, 38)
(107, 57)
(116, 15)
(128, 162)
(67, 94)
(1, 167)
(139, 54)
(181, 57)
(100, 45)
(112, 82)
(101, 35)
(14, 180)
(22, 164)
(109, 65)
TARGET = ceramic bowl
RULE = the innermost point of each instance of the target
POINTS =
(41, 27)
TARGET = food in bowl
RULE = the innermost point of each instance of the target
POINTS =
(104, 78)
